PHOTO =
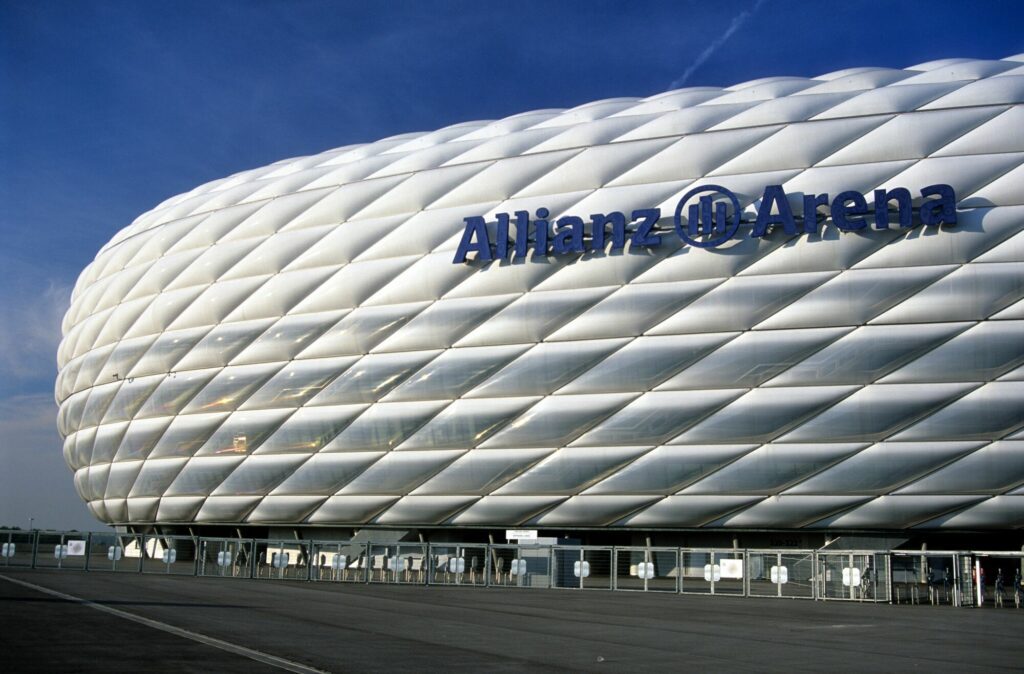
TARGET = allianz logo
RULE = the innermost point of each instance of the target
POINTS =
(705, 217)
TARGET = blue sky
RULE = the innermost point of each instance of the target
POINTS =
(108, 108)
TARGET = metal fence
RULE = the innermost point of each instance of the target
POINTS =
(954, 578)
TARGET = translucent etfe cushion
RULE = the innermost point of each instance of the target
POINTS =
(557, 420)
(400, 472)
(222, 343)
(326, 473)
(310, 428)
(546, 367)
(231, 387)
(657, 416)
(454, 372)
(156, 476)
(665, 470)
(466, 423)
(175, 391)
(771, 467)
(372, 376)
(297, 382)
(570, 470)
(201, 475)
(384, 426)
(186, 434)
(645, 362)
(482, 471)
(141, 437)
(259, 474)
(242, 432)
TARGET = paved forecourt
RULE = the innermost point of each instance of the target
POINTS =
(212, 624)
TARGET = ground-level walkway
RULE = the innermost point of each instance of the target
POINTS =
(106, 622)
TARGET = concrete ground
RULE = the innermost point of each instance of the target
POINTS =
(229, 625)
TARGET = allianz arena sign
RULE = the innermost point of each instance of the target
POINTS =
(713, 217)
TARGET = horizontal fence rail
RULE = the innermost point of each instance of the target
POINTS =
(954, 578)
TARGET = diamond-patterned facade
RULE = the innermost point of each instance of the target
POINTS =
(293, 344)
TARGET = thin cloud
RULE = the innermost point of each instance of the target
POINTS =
(736, 23)
(35, 482)
(28, 342)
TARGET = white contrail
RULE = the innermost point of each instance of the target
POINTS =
(737, 21)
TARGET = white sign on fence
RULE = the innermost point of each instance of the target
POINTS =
(517, 567)
(76, 548)
(60, 552)
(224, 558)
(114, 553)
(7, 550)
(712, 572)
(521, 534)
(851, 576)
(170, 556)
(645, 570)
(780, 575)
(731, 568)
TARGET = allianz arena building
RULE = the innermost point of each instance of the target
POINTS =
(787, 307)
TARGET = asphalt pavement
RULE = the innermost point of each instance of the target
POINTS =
(107, 622)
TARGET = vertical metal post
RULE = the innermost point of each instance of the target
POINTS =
(614, 571)
(679, 570)
(747, 577)
(647, 558)
(819, 577)
(34, 542)
(88, 549)
(711, 557)
(977, 584)
(551, 566)
(888, 575)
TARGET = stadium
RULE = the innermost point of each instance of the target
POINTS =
(788, 310)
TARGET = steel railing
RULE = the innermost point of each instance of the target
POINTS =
(886, 576)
